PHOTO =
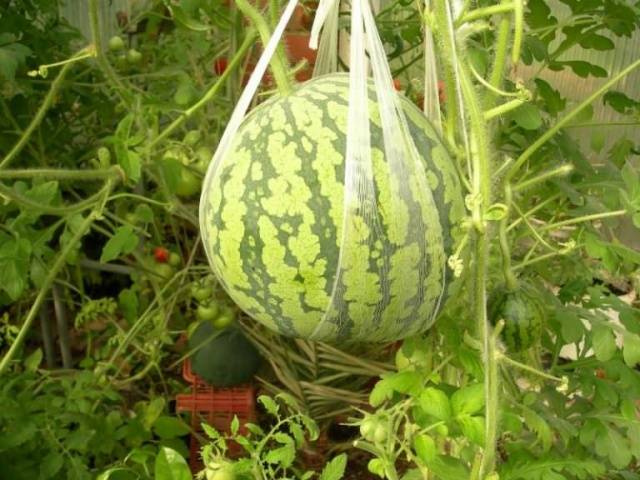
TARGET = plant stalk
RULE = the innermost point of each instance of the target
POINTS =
(39, 116)
(549, 134)
(212, 92)
(500, 57)
(103, 63)
(48, 282)
(278, 62)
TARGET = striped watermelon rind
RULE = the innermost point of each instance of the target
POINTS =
(523, 314)
(273, 212)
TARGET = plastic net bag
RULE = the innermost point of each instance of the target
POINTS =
(327, 213)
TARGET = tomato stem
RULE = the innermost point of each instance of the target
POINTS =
(58, 264)
(278, 61)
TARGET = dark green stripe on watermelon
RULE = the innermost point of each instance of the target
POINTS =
(224, 357)
(273, 222)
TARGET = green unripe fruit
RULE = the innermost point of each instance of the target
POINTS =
(381, 433)
(188, 184)
(272, 218)
(367, 427)
(201, 293)
(116, 43)
(222, 321)
(523, 314)
(207, 313)
(192, 137)
(175, 260)
(134, 56)
(162, 271)
(223, 474)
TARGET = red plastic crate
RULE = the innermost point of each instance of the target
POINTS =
(215, 406)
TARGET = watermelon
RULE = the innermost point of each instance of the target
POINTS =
(272, 217)
(523, 314)
(224, 358)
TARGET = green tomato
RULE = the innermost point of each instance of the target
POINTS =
(192, 137)
(208, 312)
(132, 218)
(204, 154)
(116, 43)
(188, 184)
(380, 434)
(134, 57)
(367, 427)
(223, 474)
(175, 260)
(201, 293)
(164, 270)
(222, 321)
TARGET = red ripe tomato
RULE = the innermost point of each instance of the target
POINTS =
(396, 84)
(161, 254)
(220, 65)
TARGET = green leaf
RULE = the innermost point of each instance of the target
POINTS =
(181, 17)
(597, 140)
(170, 427)
(33, 361)
(170, 465)
(15, 254)
(172, 172)
(269, 404)
(407, 381)
(127, 159)
(539, 14)
(472, 428)
(435, 402)
(123, 242)
(235, 425)
(152, 411)
(298, 434)
(595, 41)
(620, 102)
(449, 468)
(583, 69)
(12, 56)
(615, 447)
(50, 465)
(553, 101)
(571, 327)
(548, 468)
(128, 303)
(631, 349)
(604, 343)
(334, 470)
(468, 400)
(425, 448)
(283, 456)
(381, 392)
(527, 116)
(537, 424)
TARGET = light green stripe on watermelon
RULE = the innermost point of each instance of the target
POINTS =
(275, 219)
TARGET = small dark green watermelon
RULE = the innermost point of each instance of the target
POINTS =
(225, 360)
(523, 314)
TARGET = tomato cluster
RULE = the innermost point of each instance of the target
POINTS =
(375, 429)
(210, 309)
